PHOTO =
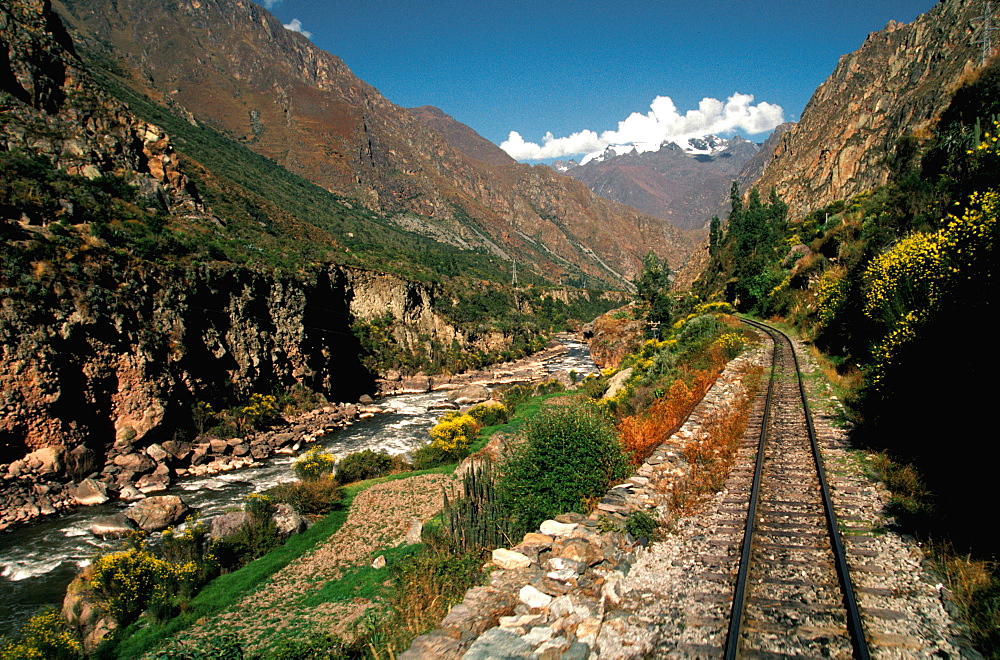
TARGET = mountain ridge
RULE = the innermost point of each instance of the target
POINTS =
(233, 66)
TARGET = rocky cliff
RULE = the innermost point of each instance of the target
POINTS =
(894, 86)
(126, 356)
(51, 107)
(231, 65)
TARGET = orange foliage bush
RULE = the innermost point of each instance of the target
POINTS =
(644, 432)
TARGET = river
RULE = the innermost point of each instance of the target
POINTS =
(38, 561)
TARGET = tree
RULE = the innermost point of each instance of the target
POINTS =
(653, 288)
(714, 236)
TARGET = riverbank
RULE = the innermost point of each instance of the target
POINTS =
(38, 485)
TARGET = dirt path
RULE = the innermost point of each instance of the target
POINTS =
(379, 518)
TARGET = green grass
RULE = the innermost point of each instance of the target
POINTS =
(225, 591)
(361, 581)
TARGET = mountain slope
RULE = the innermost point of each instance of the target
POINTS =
(669, 183)
(232, 66)
(894, 86)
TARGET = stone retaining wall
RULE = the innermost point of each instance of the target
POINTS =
(549, 595)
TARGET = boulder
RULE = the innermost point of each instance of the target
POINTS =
(470, 394)
(217, 446)
(88, 492)
(498, 643)
(112, 527)
(47, 460)
(510, 560)
(227, 524)
(414, 533)
(617, 382)
(83, 611)
(157, 513)
(81, 461)
(287, 520)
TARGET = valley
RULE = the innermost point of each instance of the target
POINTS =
(291, 370)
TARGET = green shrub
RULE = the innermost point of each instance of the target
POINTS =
(640, 523)
(570, 456)
(255, 538)
(428, 456)
(308, 498)
(490, 413)
(258, 505)
(515, 395)
(363, 465)
(314, 464)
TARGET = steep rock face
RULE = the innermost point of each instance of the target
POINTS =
(232, 65)
(54, 109)
(895, 85)
(125, 358)
(668, 183)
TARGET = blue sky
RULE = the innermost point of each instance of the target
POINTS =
(564, 67)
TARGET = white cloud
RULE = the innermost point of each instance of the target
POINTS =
(663, 123)
(296, 26)
(270, 4)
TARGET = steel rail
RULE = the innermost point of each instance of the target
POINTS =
(854, 624)
(736, 616)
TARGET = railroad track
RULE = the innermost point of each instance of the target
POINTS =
(793, 594)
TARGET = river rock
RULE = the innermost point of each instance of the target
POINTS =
(178, 450)
(227, 524)
(470, 394)
(112, 527)
(617, 382)
(156, 452)
(129, 493)
(287, 520)
(135, 462)
(157, 513)
(88, 492)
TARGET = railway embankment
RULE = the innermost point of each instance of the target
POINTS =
(581, 587)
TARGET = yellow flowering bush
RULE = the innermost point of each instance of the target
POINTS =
(907, 283)
(314, 464)
(731, 344)
(454, 433)
(718, 307)
(260, 411)
(134, 580)
(831, 292)
(45, 636)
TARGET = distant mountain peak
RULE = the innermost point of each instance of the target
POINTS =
(678, 181)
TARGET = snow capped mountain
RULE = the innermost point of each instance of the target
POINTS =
(708, 145)
(679, 181)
